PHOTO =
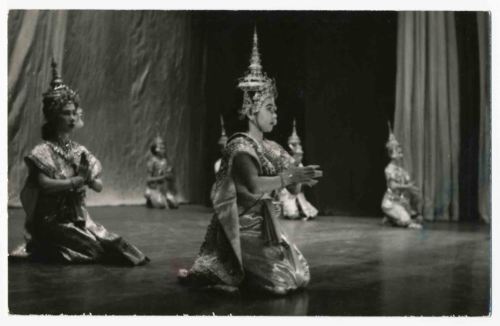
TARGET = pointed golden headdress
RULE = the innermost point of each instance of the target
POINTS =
(392, 142)
(58, 95)
(294, 142)
(223, 138)
(255, 84)
(158, 140)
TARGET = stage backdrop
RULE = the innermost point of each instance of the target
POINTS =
(134, 70)
(335, 73)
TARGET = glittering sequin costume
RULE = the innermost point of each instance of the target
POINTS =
(160, 194)
(296, 206)
(399, 205)
(58, 224)
(244, 241)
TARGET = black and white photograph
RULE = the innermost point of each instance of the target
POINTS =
(249, 162)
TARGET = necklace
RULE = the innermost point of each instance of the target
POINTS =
(63, 148)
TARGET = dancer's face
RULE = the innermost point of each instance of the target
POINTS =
(298, 157)
(221, 147)
(67, 118)
(397, 153)
(160, 150)
(267, 117)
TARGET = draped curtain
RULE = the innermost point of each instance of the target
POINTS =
(139, 73)
(426, 118)
(484, 182)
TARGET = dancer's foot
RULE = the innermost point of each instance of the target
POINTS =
(419, 219)
(19, 252)
(413, 225)
(182, 275)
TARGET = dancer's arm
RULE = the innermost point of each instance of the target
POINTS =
(50, 185)
(96, 184)
(402, 186)
(166, 176)
(156, 179)
(245, 172)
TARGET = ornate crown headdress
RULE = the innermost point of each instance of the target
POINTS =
(158, 141)
(294, 142)
(58, 94)
(255, 84)
(392, 143)
(223, 138)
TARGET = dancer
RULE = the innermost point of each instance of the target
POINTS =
(160, 190)
(58, 225)
(296, 206)
(244, 243)
(402, 200)
(222, 144)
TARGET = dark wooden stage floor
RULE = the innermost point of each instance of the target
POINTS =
(358, 268)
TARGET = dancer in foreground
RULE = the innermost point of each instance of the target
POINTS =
(58, 225)
(402, 201)
(296, 206)
(244, 243)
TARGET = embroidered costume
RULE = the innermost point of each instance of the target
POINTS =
(244, 239)
(402, 199)
(160, 191)
(296, 206)
(244, 242)
(58, 225)
(222, 143)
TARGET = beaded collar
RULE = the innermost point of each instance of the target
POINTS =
(263, 152)
(65, 149)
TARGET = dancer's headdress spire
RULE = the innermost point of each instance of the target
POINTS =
(58, 94)
(223, 138)
(255, 84)
(158, 141)
(392, 141)
(294, 142)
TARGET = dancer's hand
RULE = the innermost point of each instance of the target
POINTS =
(81, 191)
(76, 182)
(84, 168)
(168, 174)
(413, 186)
(311, 183)
(305, 174)
(410, 187)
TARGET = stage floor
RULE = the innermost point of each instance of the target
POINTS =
(358, 268)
